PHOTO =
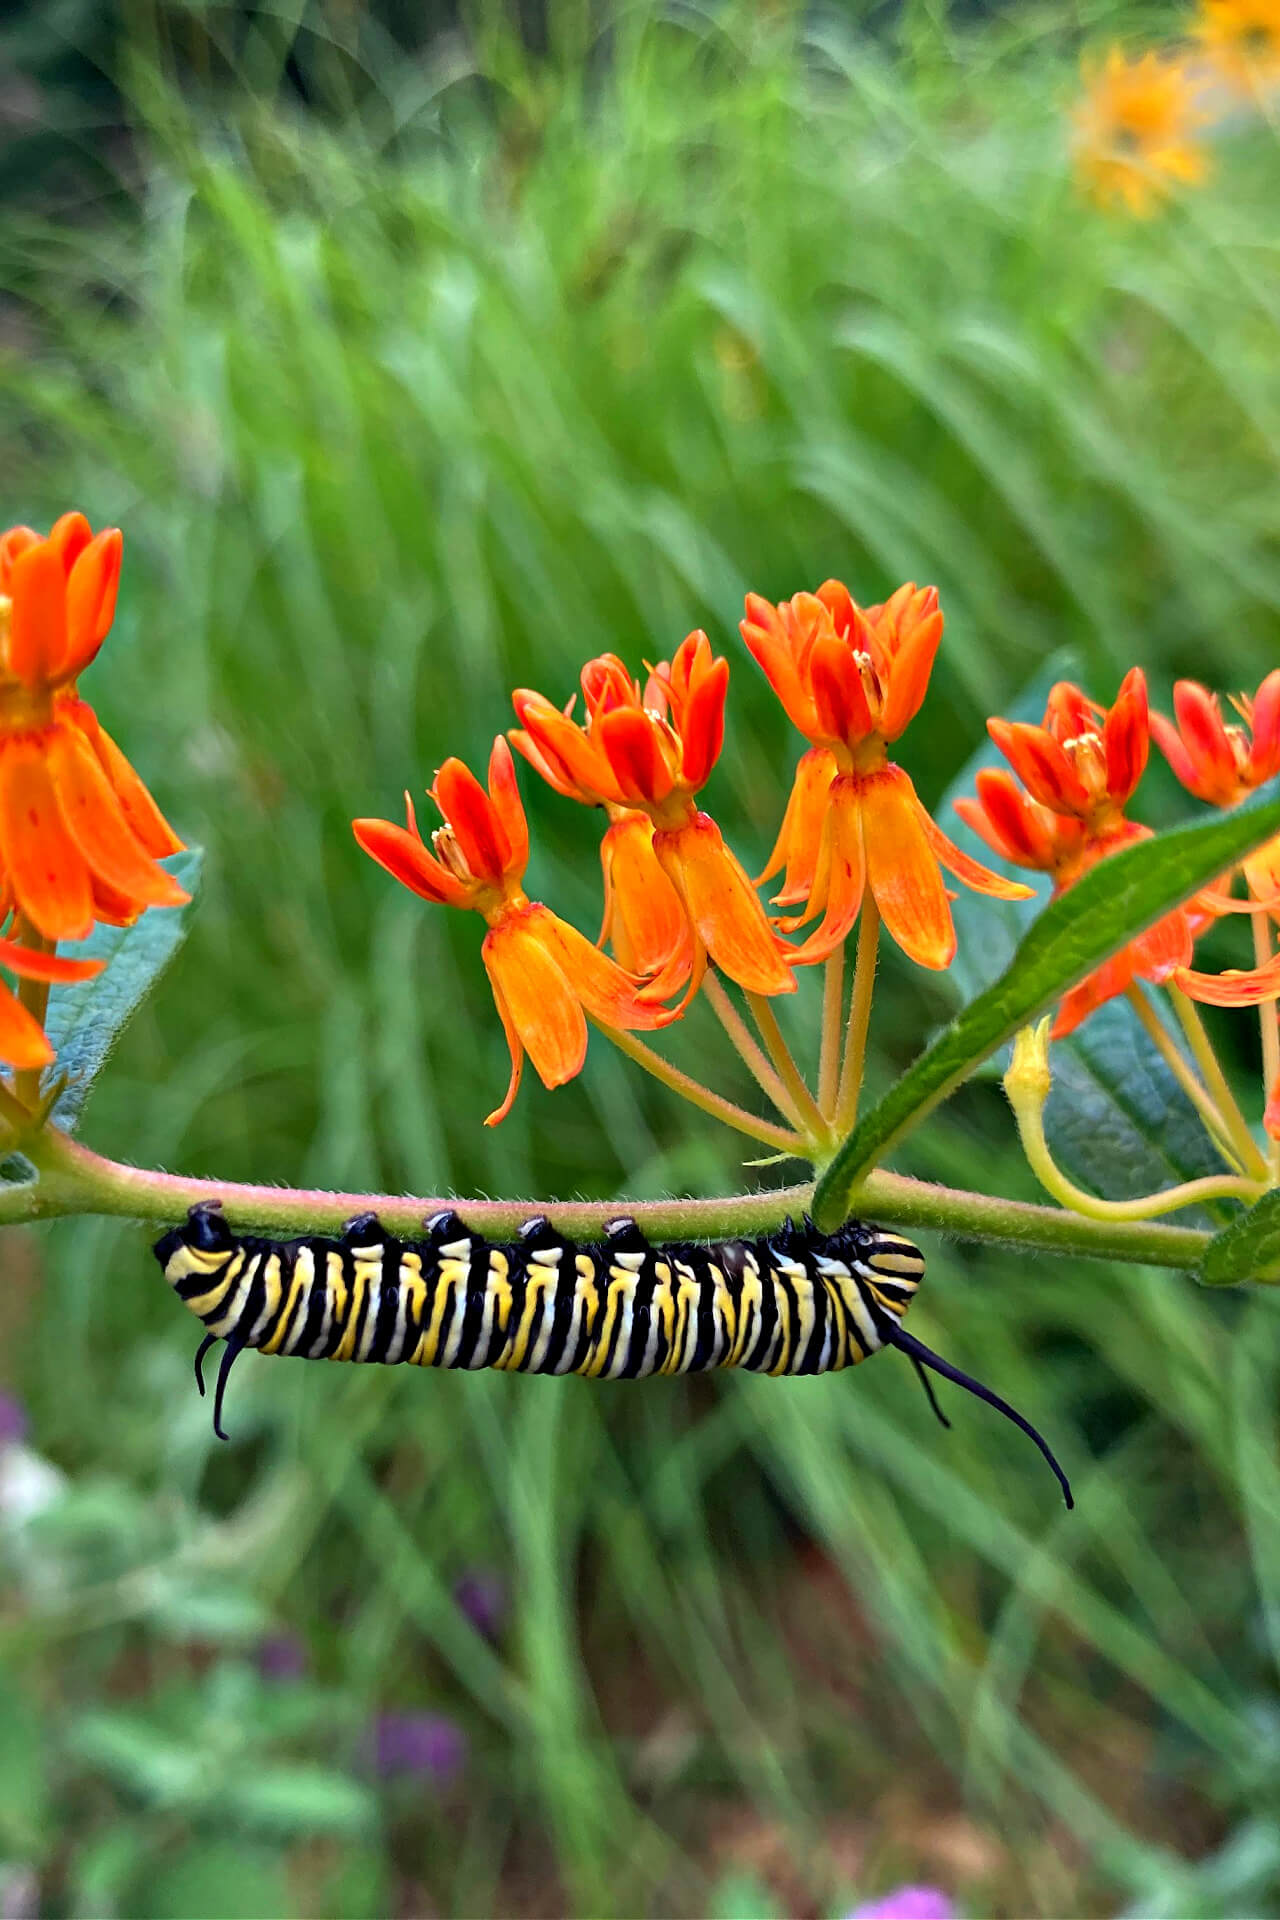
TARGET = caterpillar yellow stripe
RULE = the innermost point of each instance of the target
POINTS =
(792, 1302)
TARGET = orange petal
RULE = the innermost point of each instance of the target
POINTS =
(609, 995)
(140, 810)
(645, 920)
(96, 822)
(1041, 765)
(1264, 756)
(69, 536)
(725, 910)
(1109, 980)
(504, 795)
(56, 968)
(407, 860)
(772, 647)
(552, 772)
(579, 764)
(1236, 987)
(1161, 949)
(702, 723)
(475, 823)
(22, 1041)
(49, 873)
(842, 872)
(971, 873)
(91, 599)
(1126, 737)
(530, 986)
(1170, 743)
(38, 622)
(839, 696)
(12, 543)
(1009, 821)
(635, 750)
(1199, 720)
(800, 835)
(902, 872)
(909, 676)
(516, 1051)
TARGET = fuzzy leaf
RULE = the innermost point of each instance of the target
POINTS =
(1248, 1249)
(86, 1020)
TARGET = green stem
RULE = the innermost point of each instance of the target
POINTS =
(702, 1097)
(1215, 1079)
(855, 1046)
(1167, 1047)
(832, 1015)
(813, 1125)
(1270, 1032)
(752, 1054)
(75, 1180)
(1029, 1113)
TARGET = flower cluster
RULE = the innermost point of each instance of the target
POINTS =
(678, 902)
(1138, 129)
(80, 836)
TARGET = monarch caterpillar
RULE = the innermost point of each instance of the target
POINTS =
(794, 1302)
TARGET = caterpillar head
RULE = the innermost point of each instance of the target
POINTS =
(205, 1229)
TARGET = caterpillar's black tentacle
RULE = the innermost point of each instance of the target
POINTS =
(794, 1302)
(230, 1354)
(930, 1395)
(925, 1357)
(210, 1340)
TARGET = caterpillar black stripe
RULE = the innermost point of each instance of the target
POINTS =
(794, 1302)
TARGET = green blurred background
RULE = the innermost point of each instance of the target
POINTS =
(421, 356)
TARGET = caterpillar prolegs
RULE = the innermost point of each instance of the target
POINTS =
(793, 1302)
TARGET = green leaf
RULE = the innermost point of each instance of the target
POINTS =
(1117, 1120)
(1073, 935)
(85, 1021)
(298, 1799)
(1248, 1249)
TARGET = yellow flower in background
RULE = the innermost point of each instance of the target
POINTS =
(1136, 131)
(1241, 41)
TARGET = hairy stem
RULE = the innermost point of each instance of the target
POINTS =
(702, 1097)
(855, 1046)
(74, 1180)
(1215, 1079)
(812, 1123)
(832, 1018)
(1169, 1051)
(751, 1052)
(1030, 1117)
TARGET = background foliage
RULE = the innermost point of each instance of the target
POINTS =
(413, 375)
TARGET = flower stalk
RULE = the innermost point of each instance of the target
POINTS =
(74, 1180)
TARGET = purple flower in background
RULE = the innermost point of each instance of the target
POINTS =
(908, 1903)
(282, 1656)
(13, 1420)
(482, 1596)
(429, 1745)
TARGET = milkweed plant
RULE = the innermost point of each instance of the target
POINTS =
(1100, 916)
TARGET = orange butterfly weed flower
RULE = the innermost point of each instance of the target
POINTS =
(652, 751)
(1241, 41)
(1222, 762)
(1135, 131)
(546, 976)
(79, 833)
(1078, 770)
(852, 679)
(644, 918)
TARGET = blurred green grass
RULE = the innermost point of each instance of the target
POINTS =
(495, 363)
